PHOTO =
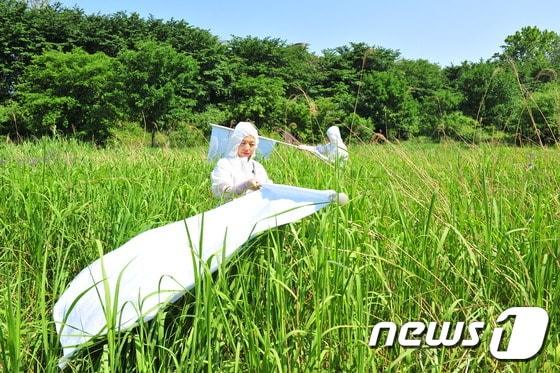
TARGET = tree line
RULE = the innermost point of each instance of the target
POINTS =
(66, 73)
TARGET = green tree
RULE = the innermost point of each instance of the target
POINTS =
(538, 118)
(158, 81)
(16, 41)
(386, 100)
(429, 86)
(310, 118)
(29, 31)
(345, 74)
(535, 53)
(10, 116)
(258, 99)
(72, 93)
(457, 126)
(344, 67)
(55, 27)
(215, 70)
(300, 70)
(110, 34)
(490, 93)
(274, 58)
(257, 57)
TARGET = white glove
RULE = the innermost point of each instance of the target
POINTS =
(251, 184)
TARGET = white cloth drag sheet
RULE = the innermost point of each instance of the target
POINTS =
(156, 267)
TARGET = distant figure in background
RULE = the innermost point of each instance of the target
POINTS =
(335, 149)
(237, 173)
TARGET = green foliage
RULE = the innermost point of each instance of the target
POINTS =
(542, 110)
(430, 87)
(256, 57)
(157, 79)
(457, 126)
(184, 135)
(215, 70)
(110, 34)
(300, 71)
(490, 92)
(72, 93)
(293, 64)
(533, 52)
(310, 118)
(194, 129)
(359, 57)
(10, 116)
(360, 129)
(386, 100)
(211, 114)
(257, 99)
(343, 67)
(128, 134)
(298, 115)
(18, 43)
(329, 112)
(171, 73)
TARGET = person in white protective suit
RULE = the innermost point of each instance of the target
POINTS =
(237, 173)
(335, 149)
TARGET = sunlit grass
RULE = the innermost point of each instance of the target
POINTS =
(432, 232)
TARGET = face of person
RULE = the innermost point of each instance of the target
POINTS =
(247, 147)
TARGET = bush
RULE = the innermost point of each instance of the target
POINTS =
(362, 129)
(458, 126)
(10, 115)
(298, 116)
(309, 119)
(185, 135)
(540, 116)
(212, 115)
(128, 134)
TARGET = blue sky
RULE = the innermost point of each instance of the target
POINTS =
(444, 32)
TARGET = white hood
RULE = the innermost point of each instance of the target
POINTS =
(333, 133)
(335, 148)
(242, 130)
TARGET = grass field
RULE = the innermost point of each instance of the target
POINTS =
(433, 232)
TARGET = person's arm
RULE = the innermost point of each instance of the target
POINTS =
(222, 182)
(323, 149)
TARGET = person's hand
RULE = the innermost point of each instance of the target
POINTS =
(252, 184)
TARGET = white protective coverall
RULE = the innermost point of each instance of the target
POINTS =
(334, 149)
(234, 175)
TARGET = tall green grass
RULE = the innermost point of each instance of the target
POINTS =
(432, 232)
